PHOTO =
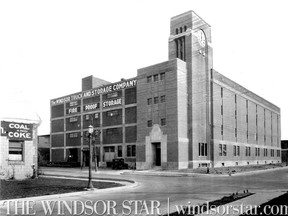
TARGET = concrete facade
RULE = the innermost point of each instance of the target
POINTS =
(183, 113)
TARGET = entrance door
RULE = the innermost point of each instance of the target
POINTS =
(158, 154)
(85, 158)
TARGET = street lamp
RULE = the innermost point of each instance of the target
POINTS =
(90, 131)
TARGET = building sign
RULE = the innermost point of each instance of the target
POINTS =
(90, 107)
(94, 92)
(112, 102)
(72, 110)
(17, 131)
(72, 104)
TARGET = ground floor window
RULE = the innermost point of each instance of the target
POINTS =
(131, 150)
(16, 150)
(272, 152)
(222, 150)
(248, 151)
(265, 153)
(202, 149)
(278, 153)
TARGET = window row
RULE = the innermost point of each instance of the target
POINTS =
(248, 119)
(162, 122)
(181, 29)
(236, 151)
(156, 100)
(155, 77)
(130, 151)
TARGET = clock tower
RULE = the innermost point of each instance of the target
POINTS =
(189, 41)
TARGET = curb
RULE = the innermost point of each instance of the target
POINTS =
(128, 185)
(181, 174)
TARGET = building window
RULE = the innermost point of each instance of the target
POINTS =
(96, 116)
(73, 119)
(257, 151)
(163, 121)
(156, 100)
(155, 78)
(112, 113)
(87, 117)
(272, 152)
(112, 95)
(234, 150)
(119, 151)
(222, 130)
(149, 123)
(131, 150)
(222, 150)
(162, 76)
(202, 149)
(176, 30)
(149, 79)
(221, 92)
(278, 153)
(238, 150)
(248, 151)
(149, 101)
(265, 152)
(73, 135)
(15, 150)
(162, 98)
(222, 110)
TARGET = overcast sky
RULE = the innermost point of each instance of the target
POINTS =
(47, 47)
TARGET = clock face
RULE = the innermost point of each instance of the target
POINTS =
(201, 38)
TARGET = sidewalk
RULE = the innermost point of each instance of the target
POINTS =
(194, 174)
(241, 206)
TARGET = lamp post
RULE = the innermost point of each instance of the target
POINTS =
(90, 131)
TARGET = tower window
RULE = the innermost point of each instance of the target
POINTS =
(155, 77)
(149, 101)
(156, 100)
(176, 30)
(149, 79)
(149, 123)
(163, 121)
(162, 76)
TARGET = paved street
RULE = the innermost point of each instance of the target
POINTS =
(195, 189)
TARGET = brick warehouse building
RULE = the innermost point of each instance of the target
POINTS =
(176, 114)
